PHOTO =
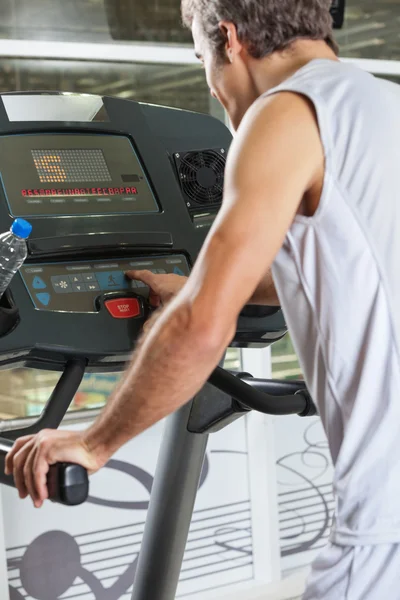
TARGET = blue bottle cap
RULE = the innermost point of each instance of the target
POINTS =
(21, 228)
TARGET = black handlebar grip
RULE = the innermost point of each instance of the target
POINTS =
(67, 484)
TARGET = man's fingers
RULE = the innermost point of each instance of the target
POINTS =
(29, 476)
(9, 462)
(149, 279)
(147, 326)
(146, 277)
(32, 456)
(18, 468)
(154, 300)
(41, 466)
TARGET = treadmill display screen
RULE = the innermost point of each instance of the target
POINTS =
(72, 175)
(71, 166)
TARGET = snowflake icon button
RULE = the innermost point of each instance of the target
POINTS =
(61, 284)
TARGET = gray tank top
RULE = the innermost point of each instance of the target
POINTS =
(338, 279)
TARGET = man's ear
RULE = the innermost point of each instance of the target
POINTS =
(233, 46)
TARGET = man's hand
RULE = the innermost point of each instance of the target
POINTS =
(162, 287)
(31, 456)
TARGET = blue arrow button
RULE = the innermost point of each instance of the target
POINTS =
(44, 298)
(39, 284)
(178, 271)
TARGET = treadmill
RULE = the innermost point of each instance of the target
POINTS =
(112, 185)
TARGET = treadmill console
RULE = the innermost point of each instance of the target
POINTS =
(71, 175)
(109, 186)
(76, 288)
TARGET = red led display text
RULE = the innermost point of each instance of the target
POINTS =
(109, 191)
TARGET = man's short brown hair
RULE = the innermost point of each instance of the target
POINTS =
(264, 26)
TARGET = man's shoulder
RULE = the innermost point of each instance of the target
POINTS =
(281, 113)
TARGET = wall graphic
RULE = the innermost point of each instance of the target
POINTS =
(90, 552)
(305, 498)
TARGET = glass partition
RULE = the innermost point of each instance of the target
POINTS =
(179, 86)
(371, 30)
(393, 78)
(284, 360)
(93, 20)
(371, 26)
(24, 392)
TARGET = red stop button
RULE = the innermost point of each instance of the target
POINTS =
(123, 308)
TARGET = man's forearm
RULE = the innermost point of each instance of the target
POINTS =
(169, 367)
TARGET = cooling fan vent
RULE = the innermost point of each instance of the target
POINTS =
(201, 175)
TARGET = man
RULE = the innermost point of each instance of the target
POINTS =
(311, 191)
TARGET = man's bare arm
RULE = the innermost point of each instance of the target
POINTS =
(273, 161)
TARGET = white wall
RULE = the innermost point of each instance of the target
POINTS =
(67, 551)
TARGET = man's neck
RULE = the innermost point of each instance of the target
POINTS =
(273, 70)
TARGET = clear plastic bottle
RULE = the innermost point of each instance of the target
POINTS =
(13, 251)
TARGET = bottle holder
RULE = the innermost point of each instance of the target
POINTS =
(9, 314)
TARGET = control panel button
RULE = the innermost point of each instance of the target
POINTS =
(112, 280)
(123, 308)
(178, 271)
(93, 287)
(38, 284)
(78, 287)
(44, 298)
(61, 284)
(89, 277)
(75, 278)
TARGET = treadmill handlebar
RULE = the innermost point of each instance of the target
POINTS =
(292, 398)
(67, 484)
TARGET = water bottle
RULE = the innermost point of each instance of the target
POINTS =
(13, 251)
